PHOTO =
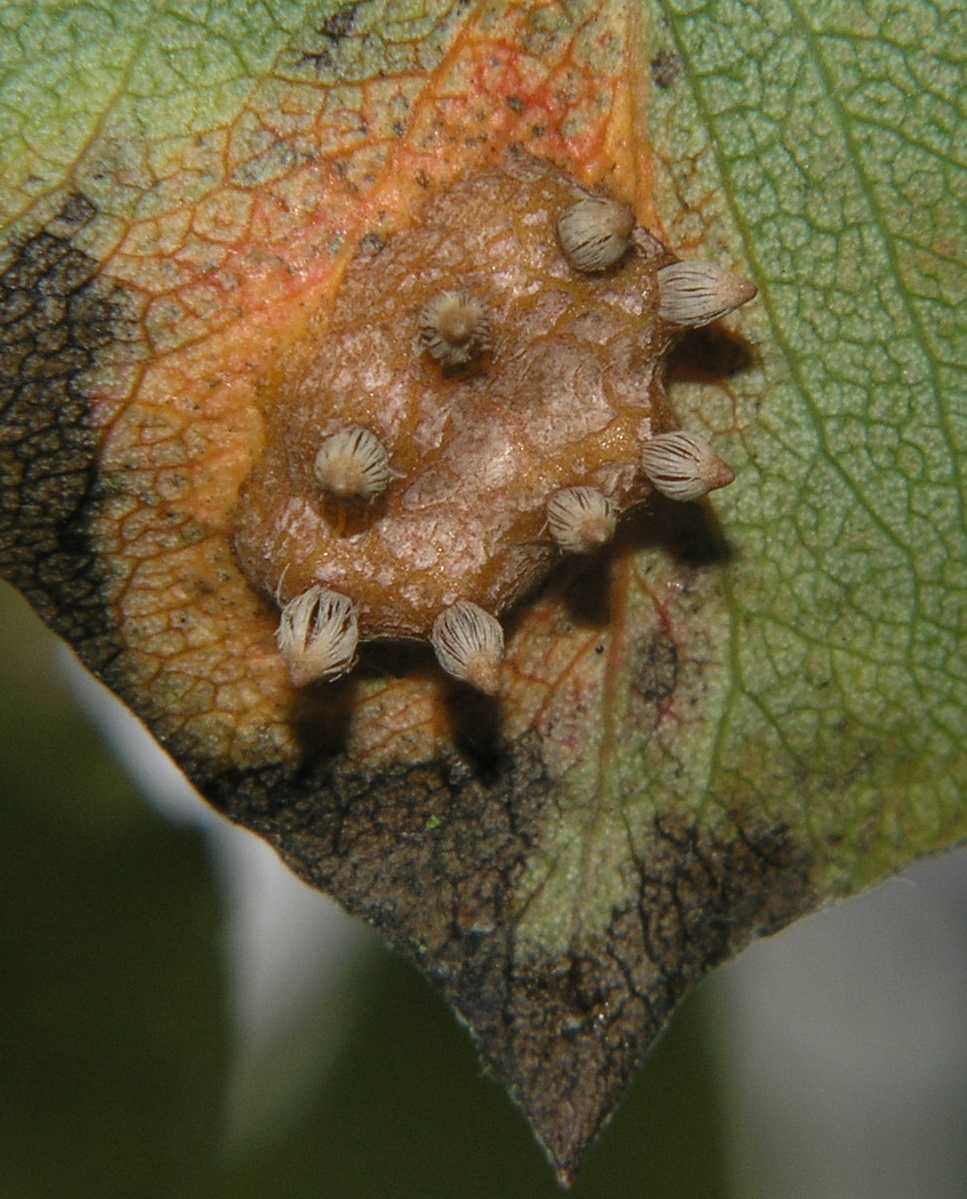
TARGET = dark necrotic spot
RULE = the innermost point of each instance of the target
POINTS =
(77, 212)
(340, 24)
(58, 322)
(370, 244)
(579, 1025)
(333, 30)
(654, 667)
(666, 68)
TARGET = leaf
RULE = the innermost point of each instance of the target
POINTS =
(741, 714)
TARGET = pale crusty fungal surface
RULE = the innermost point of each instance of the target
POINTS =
(571, 391)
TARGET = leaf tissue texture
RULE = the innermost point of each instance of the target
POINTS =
(739, 711)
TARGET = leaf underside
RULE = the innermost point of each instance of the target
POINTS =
(732, 717)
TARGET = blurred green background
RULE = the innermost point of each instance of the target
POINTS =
(137, 1059)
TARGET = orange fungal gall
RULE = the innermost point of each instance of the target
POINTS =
(494, 471)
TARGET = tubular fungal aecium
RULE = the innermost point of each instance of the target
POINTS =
(455, 328)
(683, 466)
(581, 519)
(469, 644)
(595, 233)
(317, 635)
(353, 464)
(483, 476)
(696, 293)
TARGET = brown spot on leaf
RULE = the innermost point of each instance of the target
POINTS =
(340, 23)
(332, 31)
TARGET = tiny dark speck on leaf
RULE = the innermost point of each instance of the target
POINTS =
(372, 243)
(515, 103)
(340, 23)
(77, 211)
(655, 667)
(666, 68)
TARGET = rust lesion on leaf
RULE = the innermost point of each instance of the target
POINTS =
(140, 359)
(225, 291)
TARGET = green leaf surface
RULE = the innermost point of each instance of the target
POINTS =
(737, 716)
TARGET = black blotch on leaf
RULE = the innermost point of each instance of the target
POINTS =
(59, 321)
(700, 898)
(434, 854)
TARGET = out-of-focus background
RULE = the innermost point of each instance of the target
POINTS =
(180, 1017)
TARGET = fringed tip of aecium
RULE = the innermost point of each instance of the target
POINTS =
(455, 328)
(317, 636)
(683, 466)
(469, 645)
(692, 294)
(581, 519)
(352, 464)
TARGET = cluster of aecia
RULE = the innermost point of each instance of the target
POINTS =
(319, 631)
